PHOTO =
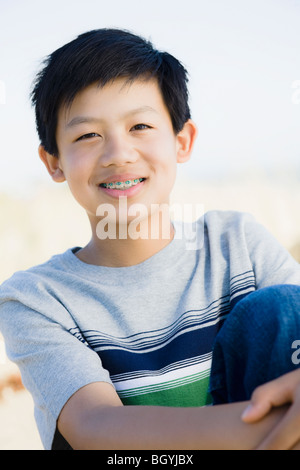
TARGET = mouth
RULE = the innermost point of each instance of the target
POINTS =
(122, 185)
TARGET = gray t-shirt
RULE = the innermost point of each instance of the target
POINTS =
(147, 329)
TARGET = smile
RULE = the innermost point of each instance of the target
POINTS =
(121, 185)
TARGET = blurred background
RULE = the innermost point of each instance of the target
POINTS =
(244, 66)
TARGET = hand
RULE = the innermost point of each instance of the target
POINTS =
(281, 391)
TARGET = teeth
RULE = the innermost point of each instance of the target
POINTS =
(122, 184)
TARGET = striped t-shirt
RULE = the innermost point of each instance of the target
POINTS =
(148, 329)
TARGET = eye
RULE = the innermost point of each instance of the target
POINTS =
(140, 127)
(88, 136)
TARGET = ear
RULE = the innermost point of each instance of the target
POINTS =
(52, 164)
(185, 141)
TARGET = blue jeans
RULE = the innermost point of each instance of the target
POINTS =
(255, 344)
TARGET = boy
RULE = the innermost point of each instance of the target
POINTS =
(131, 318)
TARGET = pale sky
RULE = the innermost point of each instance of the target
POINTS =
(243, 58)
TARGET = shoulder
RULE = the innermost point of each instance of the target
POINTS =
(33, 271)
(31, 287)
(230, 224)
(215, 227)
(227, 219)
(238, 229)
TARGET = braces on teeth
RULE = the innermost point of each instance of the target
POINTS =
(122, 184)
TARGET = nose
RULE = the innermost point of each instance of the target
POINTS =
(118, 151)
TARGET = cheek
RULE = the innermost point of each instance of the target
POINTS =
(164, 165)
(162, 153)
(166, 162)
(75, 164)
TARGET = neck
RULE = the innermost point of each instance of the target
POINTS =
(126, 245)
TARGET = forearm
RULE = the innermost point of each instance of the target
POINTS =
(143, 427)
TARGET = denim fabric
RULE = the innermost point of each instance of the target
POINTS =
(255, 344)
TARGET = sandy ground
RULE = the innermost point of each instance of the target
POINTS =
(29, 234)
(18, 430)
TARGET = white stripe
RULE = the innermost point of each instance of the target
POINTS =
(164, 386)
(160, 345)
(175, 365)
(181, 325)
(169, 376)
(242, 292)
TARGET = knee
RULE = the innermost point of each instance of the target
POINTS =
(269, 316)
(256, 341)
(281, 301)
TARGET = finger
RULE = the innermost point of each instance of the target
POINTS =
(256, 411)
(286, 434)
(265, 397)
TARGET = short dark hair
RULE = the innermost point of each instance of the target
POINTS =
(100, 56)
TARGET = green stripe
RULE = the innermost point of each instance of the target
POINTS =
(194, 393)
(164, 385)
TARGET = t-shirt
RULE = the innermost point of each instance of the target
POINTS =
(147, 329)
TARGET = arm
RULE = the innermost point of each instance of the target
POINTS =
(94, 418)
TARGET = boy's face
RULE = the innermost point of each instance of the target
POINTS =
(118, 140)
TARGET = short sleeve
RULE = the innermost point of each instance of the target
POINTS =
(54, 363)
(271, 262)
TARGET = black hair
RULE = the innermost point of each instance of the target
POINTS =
(100, 56)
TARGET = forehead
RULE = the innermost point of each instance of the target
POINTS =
(118, 98)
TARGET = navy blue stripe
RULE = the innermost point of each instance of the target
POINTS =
(238, 298)
(188, 318)
(151, 338)
(243, 283)
(98, 342)
(188, 345)
(242, 289)
(243, 274)
(171, 367)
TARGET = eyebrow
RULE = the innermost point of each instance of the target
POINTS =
(77, 120)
